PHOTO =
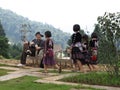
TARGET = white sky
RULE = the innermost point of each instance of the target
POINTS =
(63, 13)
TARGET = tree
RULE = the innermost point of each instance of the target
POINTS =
(3, 43)
(98, 31)
(101, 48)
(2, 33)
(110, 32)
(15, 51)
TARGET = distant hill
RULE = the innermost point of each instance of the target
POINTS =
(12, 22)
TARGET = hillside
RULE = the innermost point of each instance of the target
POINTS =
(12, 24)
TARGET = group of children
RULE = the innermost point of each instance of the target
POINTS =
(83, 51)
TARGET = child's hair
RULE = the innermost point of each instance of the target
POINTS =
(94, 35)
(85, 37)
(76, 27)
(48, 34)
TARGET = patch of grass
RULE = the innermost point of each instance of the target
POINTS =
(94, 79)
(4, 65)
(7, 65)
(4, 72)
(26, 83)
(56, 71)
(1, 57)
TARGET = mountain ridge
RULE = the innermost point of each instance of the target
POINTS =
(12, 24)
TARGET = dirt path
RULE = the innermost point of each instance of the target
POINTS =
(46, 78)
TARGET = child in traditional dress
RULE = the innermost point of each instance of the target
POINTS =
(48, 59)
(85, 45)
(94, 48)
(76, 53)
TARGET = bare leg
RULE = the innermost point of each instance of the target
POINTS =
(58, 67)
(75, 66)
(94, 67)
(80, 66)
(45, 68)
(90, 67)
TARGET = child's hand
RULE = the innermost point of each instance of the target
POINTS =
(31, 43)
(37, 47)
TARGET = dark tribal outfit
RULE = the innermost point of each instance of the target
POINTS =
(86, 53)
(76, 53)
(94, 48)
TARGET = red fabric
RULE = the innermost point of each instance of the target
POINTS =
(94, 48)
(94, 58)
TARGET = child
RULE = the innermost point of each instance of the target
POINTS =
(76, 46)
(94, 47)
(85, 51)
(48, 59)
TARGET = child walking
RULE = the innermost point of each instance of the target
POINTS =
(48, 59)
(85, 45)
(76, 53)
(94, 48)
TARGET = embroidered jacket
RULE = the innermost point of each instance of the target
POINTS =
(76, 37)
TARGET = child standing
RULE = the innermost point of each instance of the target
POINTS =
(94, 48)
(76, 53)
(85, 45)
(48, 59)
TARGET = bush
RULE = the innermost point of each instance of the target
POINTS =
(95, 79)
(1, 57)
(109, 28)
(15, 51)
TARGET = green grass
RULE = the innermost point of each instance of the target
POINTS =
(94, 79)
(56, 71)
(4, 65)
(1, 57)
(26, 83)
(4, 72)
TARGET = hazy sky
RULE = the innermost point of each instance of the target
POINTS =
(63, 13)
